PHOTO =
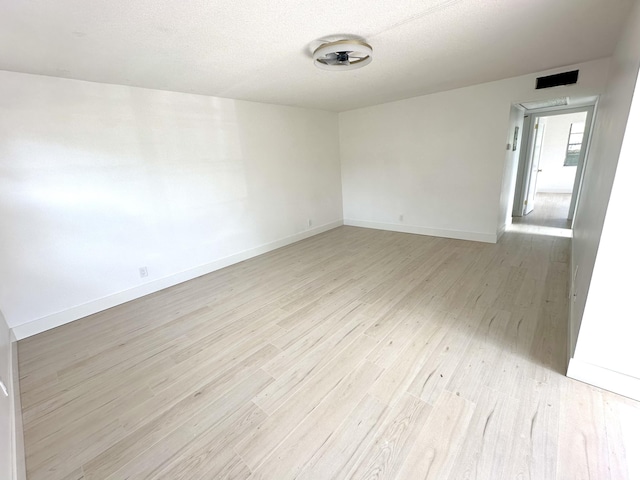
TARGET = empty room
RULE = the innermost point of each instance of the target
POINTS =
(319, 240)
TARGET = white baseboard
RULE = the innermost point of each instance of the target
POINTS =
(18, 466)
(613, 381)
(55, 320)
(501, 231)
(434, 232)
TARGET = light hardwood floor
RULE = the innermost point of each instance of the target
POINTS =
(550, 210)
(355, 354)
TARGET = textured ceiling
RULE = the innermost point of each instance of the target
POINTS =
(260, 50)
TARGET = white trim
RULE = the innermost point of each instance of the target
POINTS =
(74, 313)
(502, 229)
(611, 380)
(434, 232)
(518, 194)
(563, 109)
(554, 190)
(18, 466)
(526, 146)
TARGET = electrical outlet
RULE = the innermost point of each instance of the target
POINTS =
(309, 223)
(143, 272)
(401, 218)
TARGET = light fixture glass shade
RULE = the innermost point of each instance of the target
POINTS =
(329, 56)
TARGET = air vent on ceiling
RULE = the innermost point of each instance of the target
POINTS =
(565, 78)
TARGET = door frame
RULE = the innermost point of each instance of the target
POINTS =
(586, 142)
(526, 154)
(533, 159)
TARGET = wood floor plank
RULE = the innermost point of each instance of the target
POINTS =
(344, 322)
(396, 340)
(70, 452)
(315, 319)
(261, 442)
(356, 353)
(46, 436)
(482, 356)
(396, 379)
(291, 381)
(384, 457)
(98, 401)
(535, 448)
(126, 451)
(228, 466)
(622, 424)
(99, 390)
(437, 446)
(485, 451)
(208, 424)
(341, 452)
(439, 366)
(75, 475)
(318, 427)
(211, 451)
(583, 452)
(176, 395)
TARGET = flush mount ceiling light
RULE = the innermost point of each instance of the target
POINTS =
(343, 55)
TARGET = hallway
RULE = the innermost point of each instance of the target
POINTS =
(549, 216)
(551, 210)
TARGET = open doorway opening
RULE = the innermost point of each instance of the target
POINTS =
(551, 165)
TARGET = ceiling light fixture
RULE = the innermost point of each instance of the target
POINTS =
(343, 55)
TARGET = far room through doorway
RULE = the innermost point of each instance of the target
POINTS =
(554, 148)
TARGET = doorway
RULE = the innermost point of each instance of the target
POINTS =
(551, 165)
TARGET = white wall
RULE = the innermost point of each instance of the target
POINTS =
(6, 413)
(510, 170)
(555, 177)
(12, 460)
(605, 246)
(438, 160)
(98, 180)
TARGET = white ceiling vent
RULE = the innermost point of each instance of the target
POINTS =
(343, 55)
(554, 102)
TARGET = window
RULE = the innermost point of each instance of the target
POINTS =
(574, 144)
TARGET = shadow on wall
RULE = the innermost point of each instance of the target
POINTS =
(141, 182)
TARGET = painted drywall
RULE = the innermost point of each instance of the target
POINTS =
(435, 164)
(510, 171)
(12, 459)
(611, 315)
(555, 177)
(98, 180)
(6, 410)
(605, 247)
(261, 50)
